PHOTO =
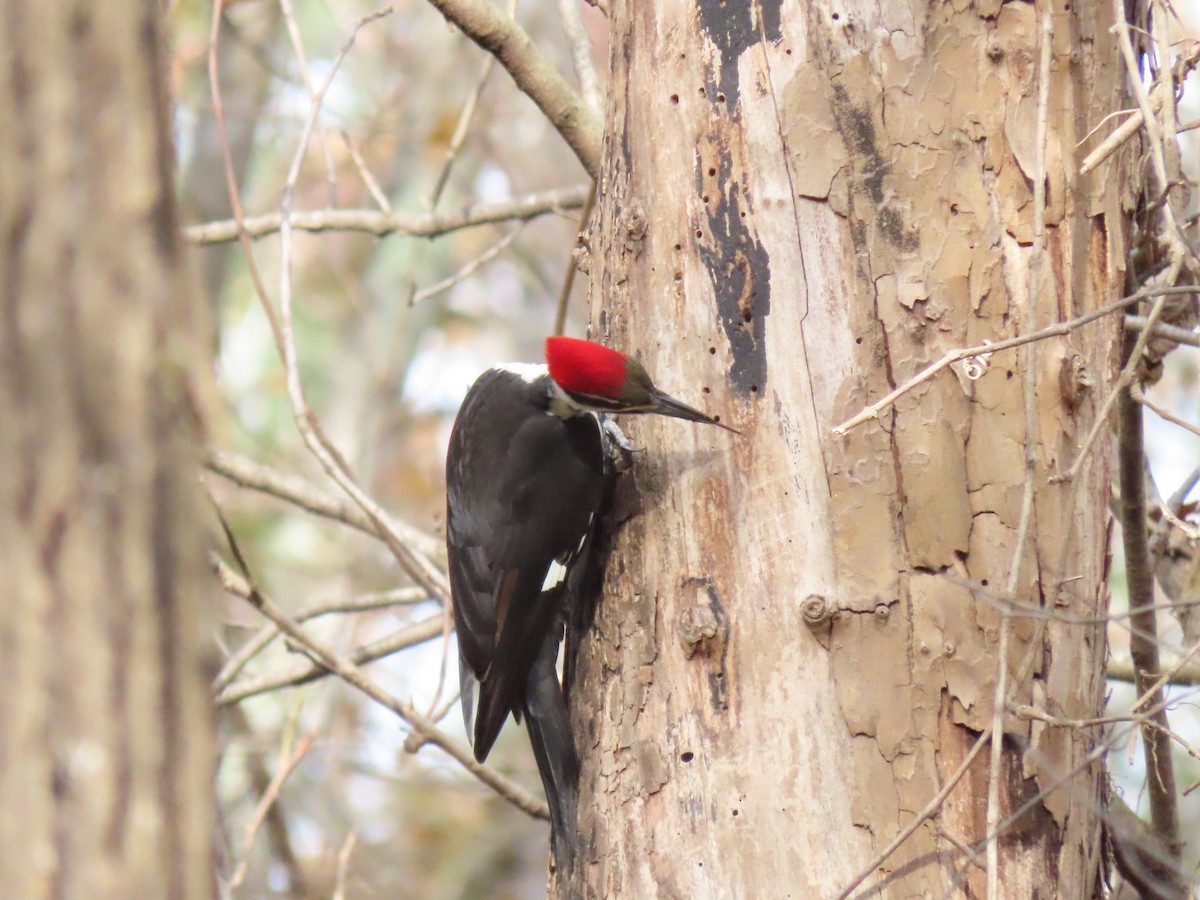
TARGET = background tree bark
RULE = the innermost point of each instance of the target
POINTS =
(106, 749)
(801, 207)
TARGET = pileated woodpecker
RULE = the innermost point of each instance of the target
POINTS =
(526, 473)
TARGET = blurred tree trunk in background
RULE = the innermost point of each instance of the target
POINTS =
(801, 207)
(106, 747)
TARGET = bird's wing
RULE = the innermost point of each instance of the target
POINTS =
(548, 490)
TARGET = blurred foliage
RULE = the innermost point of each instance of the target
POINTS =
(384, 377)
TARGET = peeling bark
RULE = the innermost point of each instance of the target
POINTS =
(802, 206)
(106, 741)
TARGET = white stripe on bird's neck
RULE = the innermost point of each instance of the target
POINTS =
(527, 372)
(561, 403)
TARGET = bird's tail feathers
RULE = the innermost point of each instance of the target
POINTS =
(467, 683)
(503, 685)
(553, 745)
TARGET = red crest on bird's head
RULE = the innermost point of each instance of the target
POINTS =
(581, 367)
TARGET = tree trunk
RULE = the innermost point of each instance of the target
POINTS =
(106, 747)
(802, 206)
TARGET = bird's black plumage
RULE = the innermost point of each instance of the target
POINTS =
(523, 488)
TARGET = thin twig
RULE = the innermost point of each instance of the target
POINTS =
(929, 810)
(237, 586)
(461, 130)
(339, 888)
(1119, 669)
(443, 660)
(465, 117)
(1171, 676)
(1166, 865)
(1127, 129)
(1122, 382)
(1171, 510)
(1030, 713)
(1164, 330)
(1056, 330)
(965, 849)
(1115, 114)
(355, 677)
(1018, 609)
(287, 765)
(1032, 653)
(502, 37)
(364, 173)
(293, 30)
(564, 293)
(1159, 411)
(1174, 235)
(290, 488)
(307, 672)
(470, 268)
(371, 221)
(417, 565)
(279, 837)
(581, 55)
(1177, 499)
(1175, 738)
(1096, 754)
(237, 225)
(1191, 530)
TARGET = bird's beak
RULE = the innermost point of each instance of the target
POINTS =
(666, 405)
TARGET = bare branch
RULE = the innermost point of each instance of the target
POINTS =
(307, 672)
(238, 586)
(464, 124)
(416, 564)
(287, 766)
(1162, 413)
(501, 36)
(581, 55)
(373, 221)
(364, 173)
(231, 180)
(1160, 772)
(1102, 748)
(1137, 850)
(354, 676)
(470, 268)
(929, 810)
(1124, 379)
(344, 668)
(1163, 330)
(564, 293)
(293, 30)
(290, 488)
(1127, 129)
(1173, 232)
(339, 890)
(1174, 675)
(279, 837)
(1057, 330)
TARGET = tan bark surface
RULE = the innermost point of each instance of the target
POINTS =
(106, 741)
(801, 207)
